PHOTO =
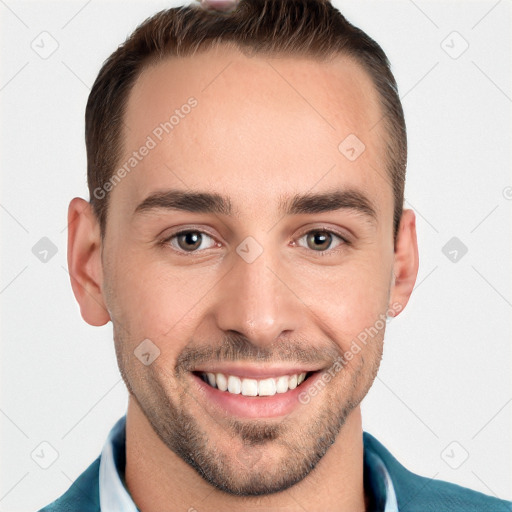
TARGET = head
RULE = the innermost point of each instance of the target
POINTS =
(246, 173)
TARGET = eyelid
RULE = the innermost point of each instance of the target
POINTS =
(325, 229)
(345, 237)
(166, 241)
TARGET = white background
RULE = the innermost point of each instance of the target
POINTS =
(445, 374)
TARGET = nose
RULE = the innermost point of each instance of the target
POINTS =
(257, 300)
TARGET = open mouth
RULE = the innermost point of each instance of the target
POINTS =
(254, 387)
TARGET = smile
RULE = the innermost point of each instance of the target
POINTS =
(253, 387)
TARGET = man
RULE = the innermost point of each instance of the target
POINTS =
(246, 237)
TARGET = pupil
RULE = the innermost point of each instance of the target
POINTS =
(191, 239)
(320, 238)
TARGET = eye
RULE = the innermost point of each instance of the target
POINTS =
(321, 240)
(192, 240)
(189, 241)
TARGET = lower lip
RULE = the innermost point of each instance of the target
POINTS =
(279, 404)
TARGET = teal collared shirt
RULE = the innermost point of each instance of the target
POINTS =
(390, 485)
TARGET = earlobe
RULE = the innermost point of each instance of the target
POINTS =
(84, 262)
(405, 267)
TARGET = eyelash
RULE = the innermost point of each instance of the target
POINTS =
(166, 241)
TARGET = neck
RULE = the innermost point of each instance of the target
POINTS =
(158, 479)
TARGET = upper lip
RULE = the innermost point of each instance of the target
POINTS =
(255, 371)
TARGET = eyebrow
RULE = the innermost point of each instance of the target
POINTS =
(196, 202)
(310, 203)
(348, 199)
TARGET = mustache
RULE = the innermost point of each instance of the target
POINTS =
(237, 347)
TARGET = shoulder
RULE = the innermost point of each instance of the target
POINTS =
(83, 494)
(416, 493)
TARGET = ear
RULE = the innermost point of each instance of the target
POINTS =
(405, 267)
(84, 261)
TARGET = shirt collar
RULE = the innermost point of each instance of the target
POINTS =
(378, 484)
(114, 496)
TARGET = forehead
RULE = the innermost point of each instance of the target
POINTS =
(251, 127)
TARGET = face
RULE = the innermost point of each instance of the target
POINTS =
(243, 241)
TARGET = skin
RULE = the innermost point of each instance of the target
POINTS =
(256, 139)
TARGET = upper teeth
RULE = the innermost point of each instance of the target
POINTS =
(253, 387)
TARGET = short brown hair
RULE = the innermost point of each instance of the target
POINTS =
(290, 27)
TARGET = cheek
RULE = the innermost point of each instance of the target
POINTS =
(154, 299)
(348, 300)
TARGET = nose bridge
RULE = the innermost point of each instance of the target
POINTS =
(254, 301)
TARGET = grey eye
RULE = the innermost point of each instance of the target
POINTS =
(320, 240)
(190, 241)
